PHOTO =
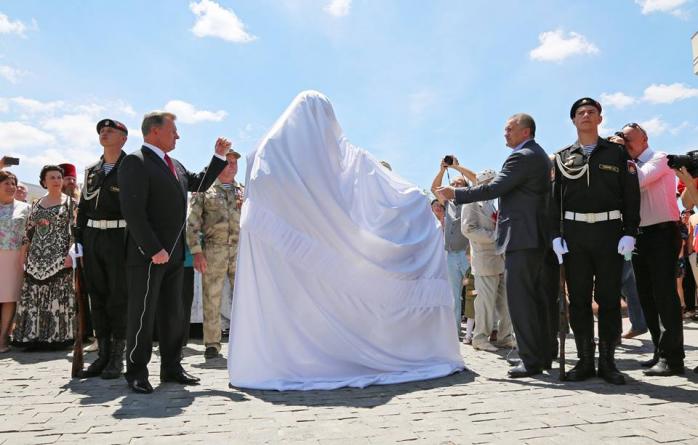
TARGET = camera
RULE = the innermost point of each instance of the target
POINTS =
(7, 160)
(448, 160)
(689, 160)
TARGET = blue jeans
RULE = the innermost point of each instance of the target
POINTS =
(629, 291)
(457, 262)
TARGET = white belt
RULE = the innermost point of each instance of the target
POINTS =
(104, 224)
(593, 217)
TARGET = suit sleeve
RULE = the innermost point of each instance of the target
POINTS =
(195, 223)
(200, 182)
(513, 174)
(470, 225)
(134, 186)
(630, 187)
(555, 200)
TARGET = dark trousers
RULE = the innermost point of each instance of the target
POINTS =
(164, 299)
(655, 272)
(689, 285)
(105, 278)
(187, 298)
(528, 306)
(593, 268)
(551, 287)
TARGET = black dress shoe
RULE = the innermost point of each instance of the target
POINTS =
(651, 362)
(180, 376)
(521, 371)
(663, 369)
(211, 352)
(140, 386)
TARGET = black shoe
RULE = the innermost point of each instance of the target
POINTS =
(97, 366)
(140, 386)
(521, 370)
(663, 369)
(180, 376)
(585, 367)
(607, 363)
(695, 369)
(116, 360)
(651, 362)
(211, 352)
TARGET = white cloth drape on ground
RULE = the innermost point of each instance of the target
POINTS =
(341, 273)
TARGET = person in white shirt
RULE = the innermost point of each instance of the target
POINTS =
(657, 250)
(478, 224)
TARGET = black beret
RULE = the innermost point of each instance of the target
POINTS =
(584, 101)
(111, 123)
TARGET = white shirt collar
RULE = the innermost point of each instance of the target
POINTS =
(518, 147)
(158, 151)
(646, 155)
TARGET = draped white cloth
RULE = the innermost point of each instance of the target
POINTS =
(341, 273)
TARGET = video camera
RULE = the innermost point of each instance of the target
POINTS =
(689, 160)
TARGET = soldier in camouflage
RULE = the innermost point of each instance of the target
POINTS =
(213, 227)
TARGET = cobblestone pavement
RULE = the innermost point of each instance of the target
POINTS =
(40, 404)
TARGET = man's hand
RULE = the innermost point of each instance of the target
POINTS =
(447, 193)
(684, 175)
(560, 248)
(222, 146)
(161, 257)
(200, 263)
(626, 245)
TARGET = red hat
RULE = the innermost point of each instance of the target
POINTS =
(69, 170)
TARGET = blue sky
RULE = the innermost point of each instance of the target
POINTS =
(410, 80)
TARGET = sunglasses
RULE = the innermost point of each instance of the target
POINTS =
(636, 126)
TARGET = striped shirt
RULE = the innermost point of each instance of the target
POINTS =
(106, 168)
(587, 149)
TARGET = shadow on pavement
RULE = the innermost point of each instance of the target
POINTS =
(368, 397)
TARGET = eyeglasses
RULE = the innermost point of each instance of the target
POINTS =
(636, 126)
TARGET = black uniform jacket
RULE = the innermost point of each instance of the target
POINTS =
(610, 184)
(99, 198)
(154, 203)
(523, 186)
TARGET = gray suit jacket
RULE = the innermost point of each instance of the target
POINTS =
(523, 187)
(479, 227)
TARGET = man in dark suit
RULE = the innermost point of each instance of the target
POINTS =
(523, 187)
(153, 195)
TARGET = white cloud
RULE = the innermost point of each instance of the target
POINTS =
(338, 8)
(213, 20)
(617, 100)
(555, 47)
(655, 126)
(18, 27)
(33, 106)
(77, 130)
(11, 74)
(17, 135)
(667, 6)
(188, 114)
(666, 94)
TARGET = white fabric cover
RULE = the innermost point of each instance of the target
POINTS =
(341, 273)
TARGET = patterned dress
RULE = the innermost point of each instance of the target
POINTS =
(46, 308)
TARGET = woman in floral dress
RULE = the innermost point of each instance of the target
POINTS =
(46, 308)
(13, 217)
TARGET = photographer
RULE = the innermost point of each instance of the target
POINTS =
(456, 244)
(657, 248)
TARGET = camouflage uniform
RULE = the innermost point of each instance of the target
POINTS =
(213, 227)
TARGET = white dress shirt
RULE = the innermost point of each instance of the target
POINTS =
(657, 189)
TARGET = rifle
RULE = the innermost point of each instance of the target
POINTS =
(80, 301)
(563, 328)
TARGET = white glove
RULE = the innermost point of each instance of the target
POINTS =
(75, 252)
(560, 248)
(626, 245)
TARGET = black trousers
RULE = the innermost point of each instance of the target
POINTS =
(187, 298)
(528, 306)
(593, 267)
(655, 273)
(164, 300)
(551, 287)
(105, 279)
